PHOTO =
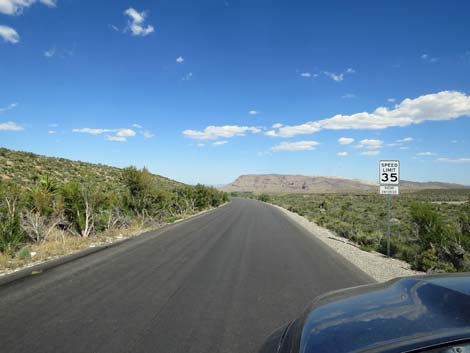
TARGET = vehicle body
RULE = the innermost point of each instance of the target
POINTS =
(411, 314)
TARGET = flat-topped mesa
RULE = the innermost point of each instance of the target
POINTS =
(284, 183)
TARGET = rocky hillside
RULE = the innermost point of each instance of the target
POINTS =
(278, 183)
(25, 168)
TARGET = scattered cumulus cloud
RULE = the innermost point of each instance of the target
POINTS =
(345, 140)
(49, 53)
(295, 146)
(253, 112)
(10, 126)
(370, 153)
(428, 59)
(137, 126)
(306, 74)
(147, 134)
(277, 126)
(445, 105)
(215, 132)
(370, 144)
(391, 100)
(180, 60)
(116, 135)
(136, 24)
(219, 143)
(338, 77)
(116, 138)
(9, 107)
(426, 154)
(406, 139)
(8, 34)
(456, 160)
(52, 132)
(16, 7)
(342, 154)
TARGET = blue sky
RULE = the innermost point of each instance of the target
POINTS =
(203, 91)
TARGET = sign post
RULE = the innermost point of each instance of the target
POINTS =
(389, 181)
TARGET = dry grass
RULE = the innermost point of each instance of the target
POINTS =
(59, 244)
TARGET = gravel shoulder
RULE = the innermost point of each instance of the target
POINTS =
(376, 265)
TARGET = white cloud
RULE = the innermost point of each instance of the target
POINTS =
(277, 126)
(404, 148)
(90, 131)
(52, 132)
(120, 135)
(306, 74)
(180, 60)
(391, 100)
(334, 77)
(9, 107)
(342, 154)
(340, 76)
(253, 112)
(406, 139)
(54, 125)
(136, 24)
(148, 134)
(125, 132)
(296, 146)
(429, 59)
(10, 126)
(15, 7)
(219, 143)
(137, 126)
(116, 138)
(9, 34)
(445, 105)
(215, 132)
(345, 140)
(50, 53)
(370, 153)
(348, 96)
(426, 154)
(456, 160)
(370, 144)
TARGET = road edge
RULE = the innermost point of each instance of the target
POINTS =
(32, 270)
(376, 265)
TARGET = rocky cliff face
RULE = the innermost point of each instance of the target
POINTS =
(278, 183)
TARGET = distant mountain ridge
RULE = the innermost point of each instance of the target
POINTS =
(283, 183)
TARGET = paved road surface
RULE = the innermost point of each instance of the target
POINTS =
(219, 282)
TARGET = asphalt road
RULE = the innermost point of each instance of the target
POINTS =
(220, 282)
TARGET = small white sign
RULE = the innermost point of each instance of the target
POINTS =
(389, 173)
(389, 190)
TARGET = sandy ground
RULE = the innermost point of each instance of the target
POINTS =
(376, 265)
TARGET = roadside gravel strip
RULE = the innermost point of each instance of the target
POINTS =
(376, 265)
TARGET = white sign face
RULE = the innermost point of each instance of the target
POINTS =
(389, 173)
(389, 190)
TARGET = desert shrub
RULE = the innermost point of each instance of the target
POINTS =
(11, 233)
(264, 197)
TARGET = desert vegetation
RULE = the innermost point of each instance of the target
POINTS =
(52, 206)
(430, 228)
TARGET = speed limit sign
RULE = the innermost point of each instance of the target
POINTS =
(389, 177)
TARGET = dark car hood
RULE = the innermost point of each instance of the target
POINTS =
(396, 316)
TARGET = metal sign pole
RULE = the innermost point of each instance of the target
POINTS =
(389, 202)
